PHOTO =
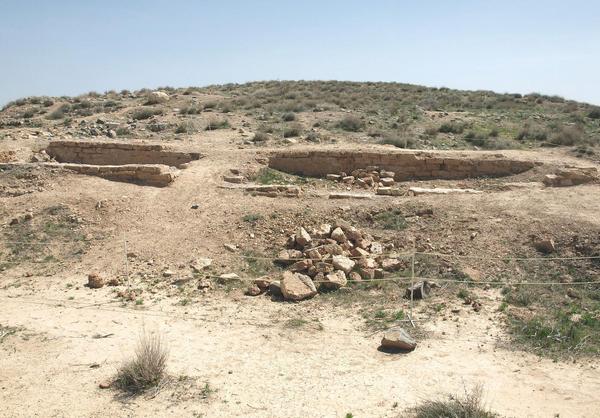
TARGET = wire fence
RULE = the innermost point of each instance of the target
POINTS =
(408, 278)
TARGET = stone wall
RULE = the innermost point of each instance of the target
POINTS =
(147, 174)
(405, 165)
(117, 153)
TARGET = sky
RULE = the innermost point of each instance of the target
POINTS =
(70, 47)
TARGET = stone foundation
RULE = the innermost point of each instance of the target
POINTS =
(405, 165)
(117, 153)
(147, 174)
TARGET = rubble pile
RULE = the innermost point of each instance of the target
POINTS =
(370, 177)
(326, 259)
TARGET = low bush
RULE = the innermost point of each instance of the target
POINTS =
(289, 117)
(452, 128)
(292, 131)
(467, 406)
(351, 124)
(400, 141)
(214, 124)
(146, 369)
(145, 113)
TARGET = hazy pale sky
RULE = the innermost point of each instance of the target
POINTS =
(68, 47)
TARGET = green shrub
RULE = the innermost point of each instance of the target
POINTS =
(289, 117)
(60, 112)
(351, 124)
(214, 124)
(145, 113)
(400, 141)
(292, 131)
(566, 135)
(467, 406)
(594, 113)
(186, 127)
(452, 128)
(260, 136)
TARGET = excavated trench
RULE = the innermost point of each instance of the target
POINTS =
(416, 165)
(147, 164)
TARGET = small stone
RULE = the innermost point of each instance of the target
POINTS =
(263, 282)
(391, 264)
(376, 248)
(296, 286)
(397, 338)
(302, 237)
(168, 273)
(200, 264)
(339, 235)
(230, 247)
(545, 246)
(323, 231)
(334, 177)
(387, 181)
(275, 288)
(105, 385)
(229, 276)
(234, 179)
(335, 280)
(354, 276)
(343, 263)
(95, 281)
(301, 265)
(253, 290)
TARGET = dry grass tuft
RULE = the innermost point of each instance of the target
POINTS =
(467, 406)
(147, 369)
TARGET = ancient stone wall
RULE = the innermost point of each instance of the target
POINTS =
(147, 174)
(117, 153)
(405, 165)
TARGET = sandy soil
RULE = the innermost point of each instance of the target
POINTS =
(253, 362)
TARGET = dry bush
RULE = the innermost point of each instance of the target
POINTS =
(147, 368)
(467, 406)
(351, 124)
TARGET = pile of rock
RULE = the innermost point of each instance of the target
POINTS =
(571, 177)
(370, 177)
(326, 258)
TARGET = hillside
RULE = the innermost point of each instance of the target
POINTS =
(274, 236)
(317, 112)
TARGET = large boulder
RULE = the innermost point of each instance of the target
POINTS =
(397, 338)
(296, 286)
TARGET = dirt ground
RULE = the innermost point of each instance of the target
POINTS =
(235, 355)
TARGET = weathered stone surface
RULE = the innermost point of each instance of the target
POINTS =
(301, 265)
(391, 264)
(302, 237)
(263, 282)
(419, 290)
(117, 153)
(339, 235)
(570, 177)
(335, 280)
(354, 276)
(200, 264)
(397, 338)
(275, 289)
(296, 286)
(343, 263)
(253, 290)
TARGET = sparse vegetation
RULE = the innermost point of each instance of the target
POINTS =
(468, 405)
(147, 369)
(145, 113)
(351, 124)
(391, 219)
